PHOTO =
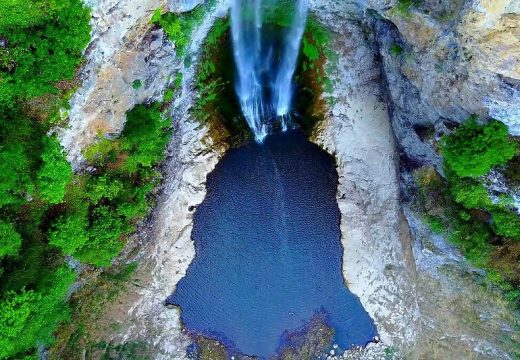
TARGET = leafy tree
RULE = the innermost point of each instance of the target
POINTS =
(103, 187)
(28, 317)
(136, 204)
(69, 232)
(23, 14)
(472, 149)
(14, 173)
(16, 311)
(10, 240)
(55, 173)
(45, 40)
(104, 238)
(144, 137)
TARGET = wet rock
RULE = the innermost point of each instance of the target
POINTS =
(180, 6)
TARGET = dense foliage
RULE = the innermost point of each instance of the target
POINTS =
(41, 44)
(55, 172)
(46, 211)
(474, 149)
(45, 40)
(487, 230)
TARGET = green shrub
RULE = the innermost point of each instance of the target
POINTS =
(178, 80)
(105, 238)
(55, 173)
(16, 311)
(10, 240)
(506, 223)
(470, 193)
(310, 50)
(404, 6)
(395, 50)
(473, 240)
(179, 27)
(136, 205)
(315, 50)
(436, 225)
(472, 149)
(44, 44)
(103, 187)
(137, 84)
(69, 232)
(30, 317)
(15, 181)
(144, 137)
(168, 95)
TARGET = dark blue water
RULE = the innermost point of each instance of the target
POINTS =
(268, 249)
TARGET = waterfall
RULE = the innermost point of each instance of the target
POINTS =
(264, 82)
(282, 88)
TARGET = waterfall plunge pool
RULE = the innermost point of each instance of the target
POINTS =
(268, 251)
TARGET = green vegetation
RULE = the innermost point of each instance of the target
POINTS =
(43, 44)
(390, 353)
(179, 27)
(209, 79)
(90, 309)
(278, 13)
(168, 95)
(116, 194)
(45, 40)
(396, 50)
(486, 231)
(506, 223)
(88, 216)
(10, 240)
(55, 173)
(46, 211)
(403, 6)
(315, 49)
(29, 317)
(137, 84)
(316, 61)
(474, 149)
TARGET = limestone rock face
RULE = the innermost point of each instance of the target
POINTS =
(124, 49)
(459, 58)
(377, 262)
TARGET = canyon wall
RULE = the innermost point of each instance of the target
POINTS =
(458, 58)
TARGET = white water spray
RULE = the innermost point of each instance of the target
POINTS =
(264, 84)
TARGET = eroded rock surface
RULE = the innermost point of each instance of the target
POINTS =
(377, 262)
(124, 49)
(458, 58)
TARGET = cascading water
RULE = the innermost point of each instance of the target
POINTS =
(264, 81)
(282, 87)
